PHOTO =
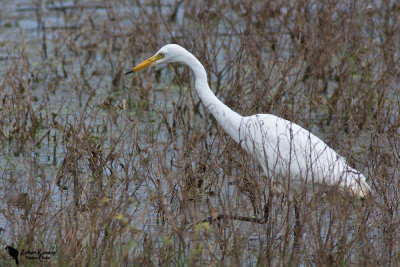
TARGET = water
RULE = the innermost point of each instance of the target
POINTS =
(70, 67)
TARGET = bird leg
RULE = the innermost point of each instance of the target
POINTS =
(235, 218)
(262, 220)
(266, 208)
(297, 225)
(296, 231)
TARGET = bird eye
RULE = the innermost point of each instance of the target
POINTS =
(161, 55)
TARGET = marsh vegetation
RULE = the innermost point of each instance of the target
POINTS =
(114, 170)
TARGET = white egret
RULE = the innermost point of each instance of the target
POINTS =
(294, 158)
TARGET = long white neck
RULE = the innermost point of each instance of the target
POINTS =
(226, 117)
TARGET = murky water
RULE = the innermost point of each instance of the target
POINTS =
(44, 46)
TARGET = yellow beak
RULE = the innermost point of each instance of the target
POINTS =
(145, 64)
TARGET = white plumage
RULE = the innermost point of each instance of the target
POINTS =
(290, 155)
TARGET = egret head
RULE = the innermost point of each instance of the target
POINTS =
(168, 53)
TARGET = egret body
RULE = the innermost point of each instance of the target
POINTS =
(294, 158)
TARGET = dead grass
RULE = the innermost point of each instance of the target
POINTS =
(106, 169)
